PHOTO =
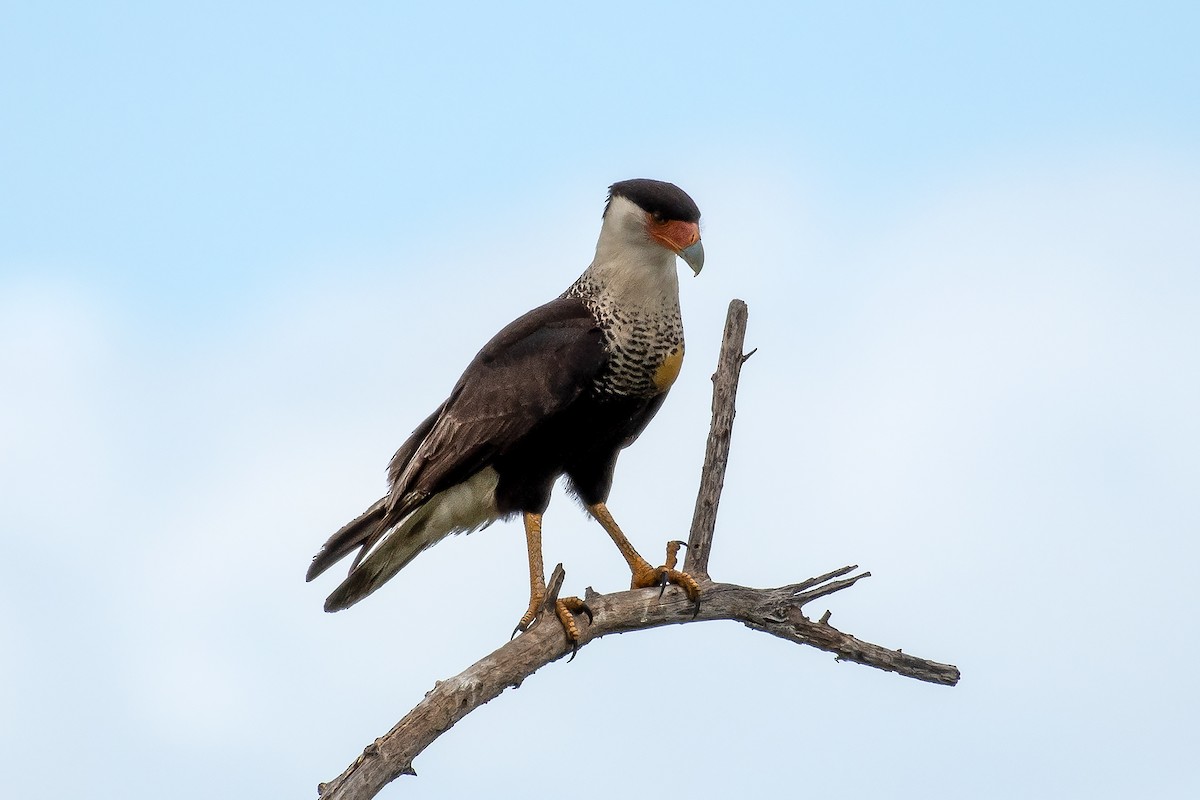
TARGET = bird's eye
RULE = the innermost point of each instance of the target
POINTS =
(658, 217)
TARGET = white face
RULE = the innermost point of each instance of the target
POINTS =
(627, 218)
(629, 262)
(624, 234)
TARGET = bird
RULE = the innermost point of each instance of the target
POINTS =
(560, 391)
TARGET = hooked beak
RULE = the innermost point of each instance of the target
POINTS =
(683, 238)
(693, 254)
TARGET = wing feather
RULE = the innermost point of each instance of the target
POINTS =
(531, 370)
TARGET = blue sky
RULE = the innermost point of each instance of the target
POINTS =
(243, 251)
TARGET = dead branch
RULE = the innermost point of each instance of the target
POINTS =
(778, 612)
(720, 434)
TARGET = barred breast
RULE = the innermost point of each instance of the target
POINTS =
(645, 346)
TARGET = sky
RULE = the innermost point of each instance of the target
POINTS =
(246, 248)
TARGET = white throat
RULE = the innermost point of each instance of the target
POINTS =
(631, 268)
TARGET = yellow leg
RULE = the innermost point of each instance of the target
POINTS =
(537, 572)
(643, 574)
(564, 608)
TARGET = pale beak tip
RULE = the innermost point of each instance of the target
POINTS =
(693, 254)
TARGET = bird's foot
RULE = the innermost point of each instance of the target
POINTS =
(648, 576)
(565, 608)
(536, 606)
(664, 576)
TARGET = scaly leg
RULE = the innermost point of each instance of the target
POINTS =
(537, 572)
(565, 607)
(643, 574)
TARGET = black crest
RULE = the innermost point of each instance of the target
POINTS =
(664, 200)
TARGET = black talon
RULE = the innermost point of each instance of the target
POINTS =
(588, 610)
(528, 627)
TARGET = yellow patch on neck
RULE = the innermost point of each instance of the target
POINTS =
(668, 370)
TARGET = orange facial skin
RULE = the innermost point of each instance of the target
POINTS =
(674, 234)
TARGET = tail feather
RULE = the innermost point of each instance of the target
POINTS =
(394, 550)
(387, 546)
(373, 523)
(356, 533)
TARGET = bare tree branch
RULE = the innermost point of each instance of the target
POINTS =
(720, 433)
(778, 612)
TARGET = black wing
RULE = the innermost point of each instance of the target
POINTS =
(533, 369)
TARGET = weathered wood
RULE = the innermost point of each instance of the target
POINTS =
(775, 611)
(720, 434)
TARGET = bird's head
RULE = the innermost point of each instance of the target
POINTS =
(656, 214)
